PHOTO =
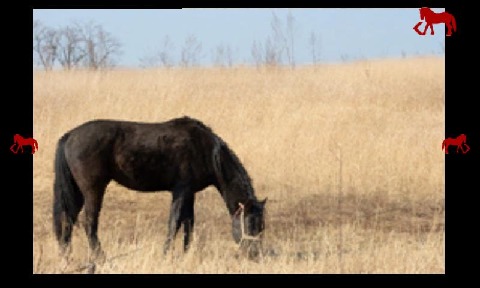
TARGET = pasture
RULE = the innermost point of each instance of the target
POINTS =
(349, 156)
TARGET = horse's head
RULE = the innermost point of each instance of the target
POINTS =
(423, 12)
(462, 138)
(249, 223)
(17, 138)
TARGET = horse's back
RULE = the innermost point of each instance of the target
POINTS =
(103, 132)
(143, 156)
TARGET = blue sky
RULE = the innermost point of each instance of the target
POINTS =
(355, 33)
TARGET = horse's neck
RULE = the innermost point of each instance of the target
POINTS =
(236, 193)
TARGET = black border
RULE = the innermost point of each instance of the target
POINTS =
(459, 119)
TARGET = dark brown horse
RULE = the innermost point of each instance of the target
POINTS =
(182, 156)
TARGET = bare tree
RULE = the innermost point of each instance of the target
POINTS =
(283, 39)
(257, 53)
(100, 47)
(74, 44)
(314, 42)
(275, 45)
(45, 44)
(149, 60)
(272, 54)
(191, 52)
(70, 52)
(229, 56)
(162, 57)
(222, 56)
(165, 57)
(219, 56)
(290, 43)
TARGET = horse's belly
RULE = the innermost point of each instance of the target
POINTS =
(145, 179)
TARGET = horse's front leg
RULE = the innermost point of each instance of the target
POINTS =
(416, 28)
(187, 218)
(11, 149)
(467, 147)
(174, 221)
(426, 29)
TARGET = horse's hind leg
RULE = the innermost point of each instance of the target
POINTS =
(93, 204)
(64, 239)
(65, 235)
(64, 219)
(449, 29)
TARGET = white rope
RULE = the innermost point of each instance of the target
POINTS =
(244, 235)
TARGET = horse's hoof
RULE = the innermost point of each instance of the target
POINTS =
(101, 258)
(91, 268)
(98, 257)
(64, 264)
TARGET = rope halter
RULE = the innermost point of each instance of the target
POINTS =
(245, 236)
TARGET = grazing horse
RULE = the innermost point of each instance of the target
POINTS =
(20, 142)
(182, 156)
(435, 18)
(459, 142)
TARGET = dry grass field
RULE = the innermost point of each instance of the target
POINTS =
(384, 213)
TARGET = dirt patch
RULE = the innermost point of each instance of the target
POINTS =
(367, 212)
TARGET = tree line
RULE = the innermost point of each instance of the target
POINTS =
(76, 45)
(90, 46)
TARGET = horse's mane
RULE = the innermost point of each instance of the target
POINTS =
(237, 165)
(424, 11)
(230, 160)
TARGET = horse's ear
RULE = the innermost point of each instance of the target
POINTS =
(264, 201)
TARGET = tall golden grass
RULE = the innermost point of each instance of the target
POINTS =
(383, 214)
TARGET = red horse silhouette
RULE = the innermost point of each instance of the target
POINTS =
(435, 18)
(20, 142)
(459, 141)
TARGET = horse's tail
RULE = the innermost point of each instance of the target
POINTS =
(68, 199)
(454, 24)
(443, 144)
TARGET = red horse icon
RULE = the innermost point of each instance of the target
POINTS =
(20, 142)
(459, 141)
(435, 18)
